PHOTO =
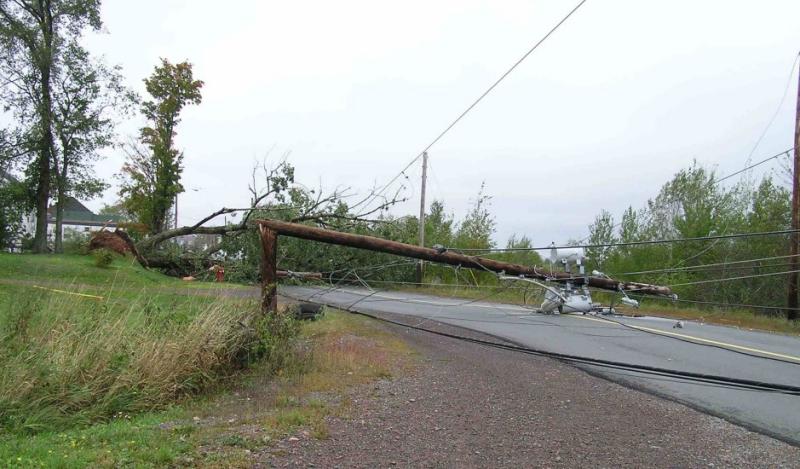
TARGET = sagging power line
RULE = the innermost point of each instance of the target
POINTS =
(630, 243)
(383, 189)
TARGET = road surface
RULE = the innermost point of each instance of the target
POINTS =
(696, 347)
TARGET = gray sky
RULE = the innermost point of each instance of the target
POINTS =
(622, 96)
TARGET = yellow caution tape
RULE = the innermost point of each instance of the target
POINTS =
(85, 295)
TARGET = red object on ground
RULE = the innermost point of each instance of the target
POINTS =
(220, 273)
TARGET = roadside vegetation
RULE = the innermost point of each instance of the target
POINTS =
(127, 377)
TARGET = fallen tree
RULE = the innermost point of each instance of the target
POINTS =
(273, 194)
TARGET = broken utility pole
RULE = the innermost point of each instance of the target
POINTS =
(269, 270)
(371, 243)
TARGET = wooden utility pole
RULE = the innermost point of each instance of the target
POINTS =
(269, 269)
(372, 243)
(420, 264)
(791, 302)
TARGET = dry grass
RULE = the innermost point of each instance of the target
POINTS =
(67, 360)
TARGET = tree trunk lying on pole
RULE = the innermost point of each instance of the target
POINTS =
(371, 243)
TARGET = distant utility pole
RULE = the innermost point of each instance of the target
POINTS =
(791, 303)
(420, 265)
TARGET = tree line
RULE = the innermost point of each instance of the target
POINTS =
(64, 106)
(693, 204)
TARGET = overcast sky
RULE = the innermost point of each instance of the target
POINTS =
(625, 94)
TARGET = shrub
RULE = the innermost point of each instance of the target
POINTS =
(103, 257)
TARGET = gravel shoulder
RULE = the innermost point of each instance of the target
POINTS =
(468, 405)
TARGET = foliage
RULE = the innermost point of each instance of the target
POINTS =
(151, 175)
(76, 242)
(34, 38)
(477, 228)
(241, 253)
(87, 98)
(693, 204)
(14, 206)
(103, 257)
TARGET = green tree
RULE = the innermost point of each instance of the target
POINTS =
(33, 34)
(88, 96)
(151, 178)
(14, 205)
(601, 232)
(476, 229)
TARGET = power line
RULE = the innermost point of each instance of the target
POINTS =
(754, 165)
(777, 110)
(726, 279)
(713, 303)
(630, 243)
(704, 266)
(737, 383)
(480, 98)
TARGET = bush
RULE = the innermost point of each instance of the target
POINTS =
(103, 257)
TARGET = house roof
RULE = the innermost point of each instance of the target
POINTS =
(75, 213)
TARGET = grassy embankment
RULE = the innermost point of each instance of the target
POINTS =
(741, 318)
(101, 380)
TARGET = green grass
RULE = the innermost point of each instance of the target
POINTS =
(221, 429)
(80, 270)
(124, 442)
(89, 353)
(119, 378)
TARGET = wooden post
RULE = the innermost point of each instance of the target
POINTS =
(794, 262)
(269, 270)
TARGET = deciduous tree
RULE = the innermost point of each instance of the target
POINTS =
(151, 179)
(33, 35)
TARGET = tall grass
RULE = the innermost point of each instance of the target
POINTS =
(67, 360)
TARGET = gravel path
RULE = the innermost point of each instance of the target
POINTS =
(472, 406)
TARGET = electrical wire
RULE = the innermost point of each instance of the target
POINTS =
(687, 376)
(629, 243)
(777, 110)
(744, 277)
(753, 165)
(480, 98)
(716, 303)
(703, 266)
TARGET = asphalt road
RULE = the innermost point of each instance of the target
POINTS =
(696, 347)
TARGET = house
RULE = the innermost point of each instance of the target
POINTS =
(77, 218)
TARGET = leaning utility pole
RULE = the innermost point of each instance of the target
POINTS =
(270, 229)
(791, 303)
(420, 264)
